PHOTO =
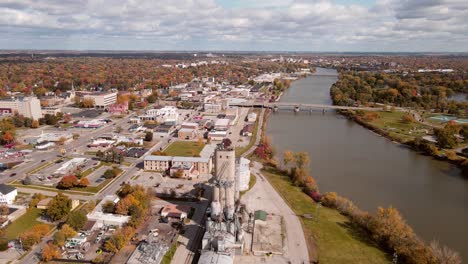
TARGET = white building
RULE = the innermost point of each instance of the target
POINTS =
(102, 99)
(167, 114)
(217, 135)
(243, 174)
(222, 124)
(27, 106)
(55, 137)
(7, 194)
(45, 145)
(252, 117)
(105, 219)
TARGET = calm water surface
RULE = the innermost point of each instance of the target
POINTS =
(371, 170)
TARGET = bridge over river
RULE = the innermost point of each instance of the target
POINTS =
(302, 106)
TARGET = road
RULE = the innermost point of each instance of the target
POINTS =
(259, 134)
(263, 196)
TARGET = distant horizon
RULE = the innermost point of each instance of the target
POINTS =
(24, 51)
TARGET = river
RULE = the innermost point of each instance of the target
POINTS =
(371, 170)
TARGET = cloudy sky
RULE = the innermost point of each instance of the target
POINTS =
(261, 25)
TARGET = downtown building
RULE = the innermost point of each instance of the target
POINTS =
(26, 106)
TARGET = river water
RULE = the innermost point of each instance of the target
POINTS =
(371, 170)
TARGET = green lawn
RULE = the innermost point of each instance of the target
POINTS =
(184, 149)
(24, 223)
(393, 124)
(336, 240)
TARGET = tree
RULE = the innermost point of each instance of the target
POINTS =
(4, 210)
(124, 204)
(87, 103)
(446, 136)
(200, 141)
(444, 254)
(35, 124)
(178, 174)
(83, 182)
(408, 118)
(288, 157)
(34, 235)
(36, 198)
(58, 207)
(302, 166)
(227, 142)
(149, 136)
(7, 137)
(110, 173)
(68, 231)
(108, 207)
(77, 219)
(68, 182)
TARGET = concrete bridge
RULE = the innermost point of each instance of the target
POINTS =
(302, 106)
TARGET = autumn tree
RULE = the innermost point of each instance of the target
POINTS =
(178, 174)
(408, 118)
(7, 137)
(124, 204)
(288, 157)
(4, 210)
(87, 103)
(61, 236)
(35, 124)
(33, 235)
(50, 252)
(444, 254)
(83, 182)
(68, 182)
(301, 170)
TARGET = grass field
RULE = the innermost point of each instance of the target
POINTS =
(184, 149)
(24, 223)
(393, 124)
(336, 240)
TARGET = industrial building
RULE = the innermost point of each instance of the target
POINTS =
(243, 173)
(224, 236)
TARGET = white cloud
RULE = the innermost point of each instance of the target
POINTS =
(202, 24)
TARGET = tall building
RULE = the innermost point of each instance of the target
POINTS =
(102, 99)
(225, 192)
(27, 106)
(224, 237)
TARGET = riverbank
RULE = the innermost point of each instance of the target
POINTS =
(326, 230)
(370, 170)
(421, 146)
(330, 236)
